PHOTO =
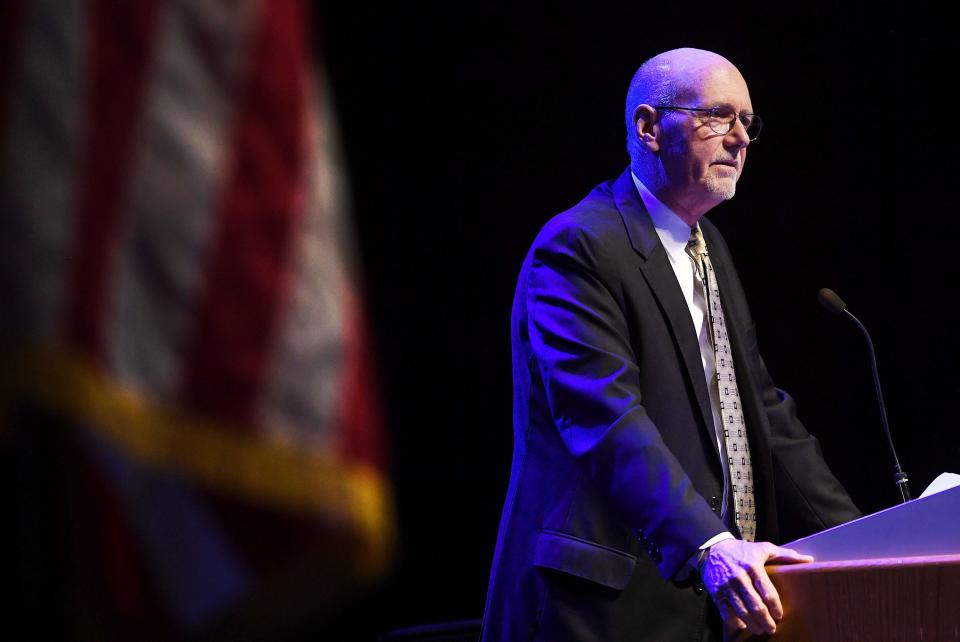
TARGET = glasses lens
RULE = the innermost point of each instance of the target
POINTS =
(721, 119)
(754, 125)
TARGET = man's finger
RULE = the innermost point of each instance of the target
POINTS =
(767, 592)
(734, 605)
(757, 615)
(730, 619)
(746, 604)
(787, 556)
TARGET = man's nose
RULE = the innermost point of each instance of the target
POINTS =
(737, 136)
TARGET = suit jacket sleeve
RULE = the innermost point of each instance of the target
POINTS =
(809, 496)
(579, 338)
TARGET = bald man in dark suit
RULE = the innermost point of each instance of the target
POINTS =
(627, 509)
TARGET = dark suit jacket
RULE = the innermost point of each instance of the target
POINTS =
(616, 479)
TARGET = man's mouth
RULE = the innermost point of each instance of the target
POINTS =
(731, 164)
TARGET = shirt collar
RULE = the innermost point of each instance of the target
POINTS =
(672, 230)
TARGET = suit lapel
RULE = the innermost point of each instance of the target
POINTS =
(656, 269)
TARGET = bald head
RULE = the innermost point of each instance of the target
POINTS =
(670, 78)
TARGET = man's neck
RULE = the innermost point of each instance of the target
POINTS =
(667, 198)
(653, 201)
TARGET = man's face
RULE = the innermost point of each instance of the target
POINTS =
(701, 166)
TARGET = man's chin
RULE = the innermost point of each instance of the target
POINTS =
(722, 190)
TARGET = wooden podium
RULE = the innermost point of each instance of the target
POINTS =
(912, 598)
(893, 575)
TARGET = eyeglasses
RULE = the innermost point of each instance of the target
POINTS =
(721, 119)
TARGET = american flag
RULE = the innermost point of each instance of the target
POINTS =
(178, 285)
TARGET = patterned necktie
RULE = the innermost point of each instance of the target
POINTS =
(731, 414)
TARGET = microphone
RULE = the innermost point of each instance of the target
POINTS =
(829, 299)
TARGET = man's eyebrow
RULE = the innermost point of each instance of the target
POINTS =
(731, 107)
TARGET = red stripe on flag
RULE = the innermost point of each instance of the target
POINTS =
(121, 37)
(246, 279)
(360, 427)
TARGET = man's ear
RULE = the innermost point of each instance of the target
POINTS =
(646, 127)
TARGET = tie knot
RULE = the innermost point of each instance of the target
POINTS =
(696, 246)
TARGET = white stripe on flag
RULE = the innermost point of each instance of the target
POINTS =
(40, 161)
(199, 68)
(305, 373)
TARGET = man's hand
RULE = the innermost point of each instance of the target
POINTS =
(733, 573)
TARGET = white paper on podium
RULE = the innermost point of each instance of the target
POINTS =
(944, 481)
(929, 525)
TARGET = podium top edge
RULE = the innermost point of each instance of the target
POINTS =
(868, 564)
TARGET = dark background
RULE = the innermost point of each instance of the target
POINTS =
(466, 127)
